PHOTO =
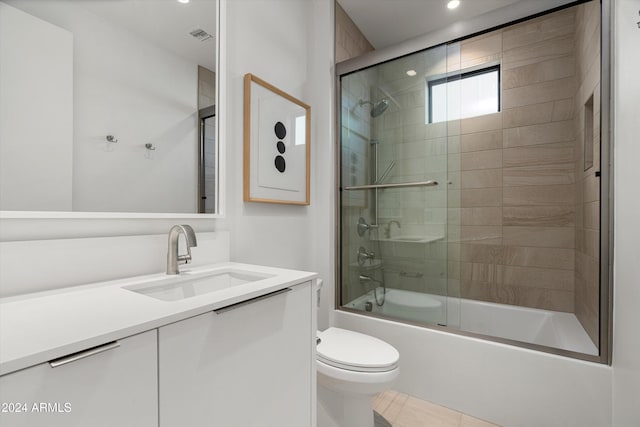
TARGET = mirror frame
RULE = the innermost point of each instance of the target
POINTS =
(220, 162)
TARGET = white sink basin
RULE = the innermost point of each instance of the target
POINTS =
(189, 285)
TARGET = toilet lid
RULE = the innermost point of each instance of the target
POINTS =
(355, 351)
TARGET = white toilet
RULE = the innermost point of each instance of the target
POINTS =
(352, 367)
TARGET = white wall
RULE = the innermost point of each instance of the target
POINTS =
(324, 173)
(121, 87)
(626, 281)
(288, 44)
(36, 113)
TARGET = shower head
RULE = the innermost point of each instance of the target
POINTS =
(377, 108)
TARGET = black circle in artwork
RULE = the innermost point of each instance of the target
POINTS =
(280, 130)
(280, 164)
(281, 147)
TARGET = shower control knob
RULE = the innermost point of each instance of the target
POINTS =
(364, 255)
(363, 226)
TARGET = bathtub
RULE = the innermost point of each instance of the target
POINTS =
(505, 384)
(543, 327)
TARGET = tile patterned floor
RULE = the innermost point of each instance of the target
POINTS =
(402, 410)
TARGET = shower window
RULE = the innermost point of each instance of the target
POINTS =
(463, 95)
(464, 200)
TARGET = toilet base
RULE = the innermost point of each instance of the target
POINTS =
(344, 409)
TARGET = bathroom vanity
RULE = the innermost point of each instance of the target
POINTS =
(228, 344)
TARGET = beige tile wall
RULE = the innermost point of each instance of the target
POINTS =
(517, 171)
(350, 42)
(587, 196)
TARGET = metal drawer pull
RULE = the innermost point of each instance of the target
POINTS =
(251, 301)
(83, 354)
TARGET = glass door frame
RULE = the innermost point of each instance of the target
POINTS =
(467, 29)
(203, 115)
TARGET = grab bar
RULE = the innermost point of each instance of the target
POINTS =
(396, 185)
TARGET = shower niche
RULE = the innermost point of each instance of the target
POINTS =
(465, 203)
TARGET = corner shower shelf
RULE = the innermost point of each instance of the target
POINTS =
(392, 185)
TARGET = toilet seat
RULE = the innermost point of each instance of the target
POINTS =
(354, 351)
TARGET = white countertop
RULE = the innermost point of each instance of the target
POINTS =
(38, 327)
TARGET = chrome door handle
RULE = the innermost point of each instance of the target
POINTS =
(83, 354)
(251, 301)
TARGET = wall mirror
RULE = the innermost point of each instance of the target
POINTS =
(108, 106)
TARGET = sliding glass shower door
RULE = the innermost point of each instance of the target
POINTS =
(470, 192)
(394, 191)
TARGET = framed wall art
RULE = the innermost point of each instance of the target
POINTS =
(277, 145)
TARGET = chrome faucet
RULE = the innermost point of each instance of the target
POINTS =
(387, 230)
(173, 259)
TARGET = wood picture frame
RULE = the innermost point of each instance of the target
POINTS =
(277, 145)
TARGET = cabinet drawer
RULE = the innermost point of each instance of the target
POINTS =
(111, 386)
(249, 365)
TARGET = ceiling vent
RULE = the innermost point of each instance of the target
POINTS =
(201, 34)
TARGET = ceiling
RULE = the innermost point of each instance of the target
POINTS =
(388, 22)
(165, 23)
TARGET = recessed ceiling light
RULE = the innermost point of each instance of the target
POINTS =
(411, 73)
(453, 4)
(183, 1)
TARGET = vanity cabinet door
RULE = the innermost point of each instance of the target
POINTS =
(251, 365)
(114, 387)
